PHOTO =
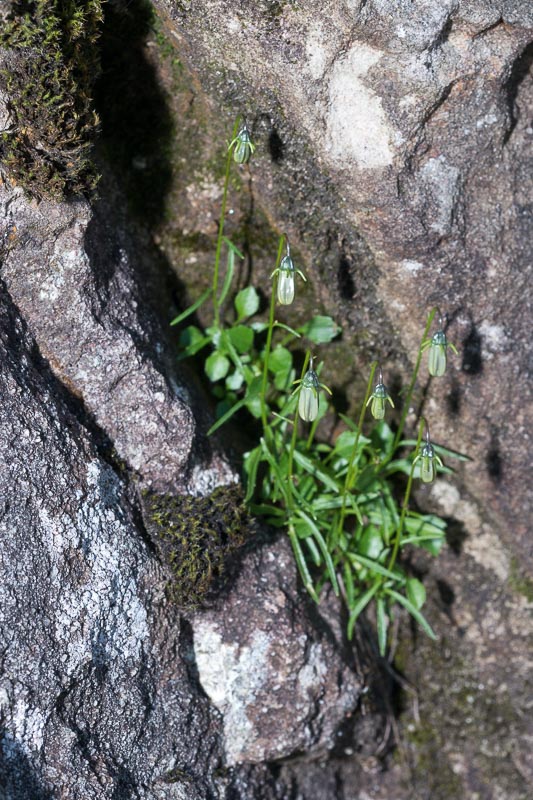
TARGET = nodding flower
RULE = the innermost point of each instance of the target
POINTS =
(309, 394)
(428, 461)
(286, 272)
(378, 398)
(243, 147)
(438, 345)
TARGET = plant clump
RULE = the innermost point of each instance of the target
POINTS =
(51, 63)
(196, 537)
(337, 498)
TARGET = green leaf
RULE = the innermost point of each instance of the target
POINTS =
(320, 329)
(315, 555)
(286, 328)
(280, 479)
(191, 341)
(371, 543)
(228, 277)
(381, 619)
(375, 566)
(253, 396)
(360, 605)
(416, 592)
(191, 309)
(323, 548)
(252, 460)
(242, 338)
(348, 584)
(235, 381)
(433, 546)
(280, 363)
(313, 469)
(217, 366)
(246, 303)
(302, 565)
(232, 247)
(224, 418)
(422, 621)
(344, 443)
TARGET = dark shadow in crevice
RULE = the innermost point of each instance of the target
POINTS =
(453, 399)
(472, 362)
(275, 146)
(18, 778)
(137, 125)
(345, 279)
(520, 70)
(456, 535)
(494, 459)
(446, 593)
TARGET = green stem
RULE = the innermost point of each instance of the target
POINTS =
(294, 437)
(216, 307)
(407, 495)
(408, 396)
(268, 344)
(353, 455)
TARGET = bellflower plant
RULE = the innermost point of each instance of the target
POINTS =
(334, 494)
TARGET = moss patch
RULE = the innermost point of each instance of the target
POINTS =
(52, 62)
(519, 583)
(196, 537)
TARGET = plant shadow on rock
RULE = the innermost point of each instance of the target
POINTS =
(137, 125)
(18, 778)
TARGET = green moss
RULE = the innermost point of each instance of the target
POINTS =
(518, 581)
(52, 62)
(196, 537)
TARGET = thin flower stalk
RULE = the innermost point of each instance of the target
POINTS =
(407, 495)
(350, 473)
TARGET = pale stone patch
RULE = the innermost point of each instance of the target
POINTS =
(357, 126)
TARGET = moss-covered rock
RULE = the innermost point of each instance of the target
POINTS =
(196, 536)
(52, 61)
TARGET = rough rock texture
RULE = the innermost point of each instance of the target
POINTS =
(394, 146)
(83, 285)
(281, 688)
(99, 687)
(96, 700)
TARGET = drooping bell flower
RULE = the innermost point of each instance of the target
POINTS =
(243, 147)
(308, 399)
(437, 345)
(428, 461)
(286, 273)
(378, 398)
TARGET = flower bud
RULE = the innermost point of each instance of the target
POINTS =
(308, 400)
(378, 398)
(438, 345)
(286, 282)
(428, 467)
(242, 146)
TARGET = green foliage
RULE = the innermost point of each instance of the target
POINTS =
(196, 537)
(337, 499)
(52, 62)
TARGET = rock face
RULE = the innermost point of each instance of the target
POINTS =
(95, 696)
(281, 687)
(83, 284)
(394, 147)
